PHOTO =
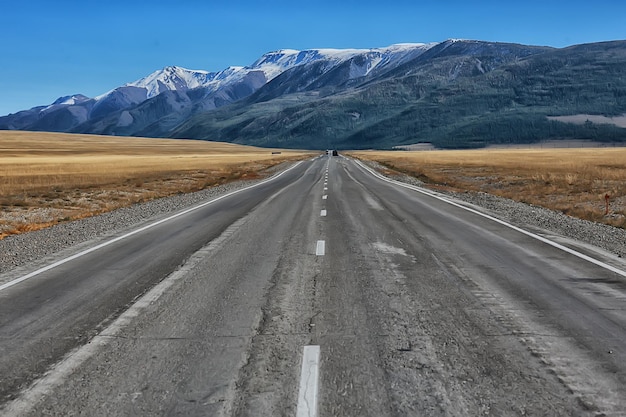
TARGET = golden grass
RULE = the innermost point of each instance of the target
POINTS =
(50, 177)
(573, 181)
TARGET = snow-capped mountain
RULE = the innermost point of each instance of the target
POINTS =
(169, 95)
(348, 98)
(172, 78)
(271, 65)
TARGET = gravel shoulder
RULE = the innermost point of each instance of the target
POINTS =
(34, 248)
(19, 253)
(445, 350)
(533, 218)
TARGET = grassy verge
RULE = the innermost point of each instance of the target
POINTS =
(573, 181)
(51, 177)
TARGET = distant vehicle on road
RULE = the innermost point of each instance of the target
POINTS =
(332, 152)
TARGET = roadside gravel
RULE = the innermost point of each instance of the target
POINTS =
(33, 247)
(20, 250)
(530, 217)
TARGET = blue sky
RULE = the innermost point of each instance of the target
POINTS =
(55, 48)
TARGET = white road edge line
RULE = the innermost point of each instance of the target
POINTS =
(320, 249)
(309, 382)
(502, 222)
(43, 386)
(141, 229)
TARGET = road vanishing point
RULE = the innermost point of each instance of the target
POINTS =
(326, 290)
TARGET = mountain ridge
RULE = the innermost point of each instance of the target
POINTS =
(452, 93)
(110, 112)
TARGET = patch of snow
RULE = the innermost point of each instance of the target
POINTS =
(385, 248)
(64, 102)
(126, 119)
(80, 113)
(479, 66)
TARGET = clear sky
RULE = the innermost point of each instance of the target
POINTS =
(54, 48)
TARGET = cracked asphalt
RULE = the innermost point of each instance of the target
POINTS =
(419, 308)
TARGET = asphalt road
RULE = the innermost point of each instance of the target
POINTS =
(418, 306)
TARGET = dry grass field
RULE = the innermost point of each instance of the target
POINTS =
(573, 181)
(46, 178)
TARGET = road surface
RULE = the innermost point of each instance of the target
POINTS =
(415, 306)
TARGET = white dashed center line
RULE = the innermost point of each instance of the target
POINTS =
(309, 382)
(323, 213)
(324, 197)
(320, 250)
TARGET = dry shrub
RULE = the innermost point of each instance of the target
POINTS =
(573, 181)
(76, 176)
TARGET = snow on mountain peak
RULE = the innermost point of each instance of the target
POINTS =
(70, 100)
(276, 62)
(171, 78)
(270, 64)
(65, 101)
(409, 46)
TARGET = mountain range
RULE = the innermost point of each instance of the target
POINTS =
(454, 94)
